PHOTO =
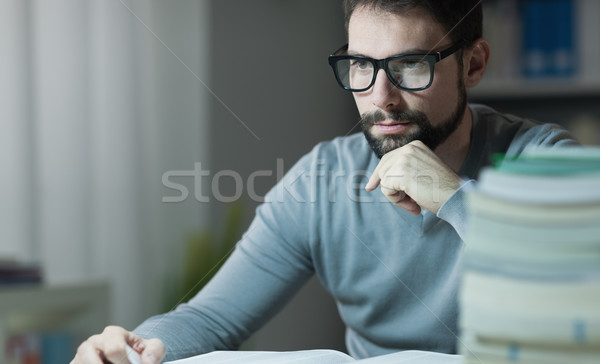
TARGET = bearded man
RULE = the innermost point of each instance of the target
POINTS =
(391, 260)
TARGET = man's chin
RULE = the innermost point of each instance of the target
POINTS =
(385, 144)
(390, 143)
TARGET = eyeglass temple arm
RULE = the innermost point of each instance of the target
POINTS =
(342, 49)
(445, 53)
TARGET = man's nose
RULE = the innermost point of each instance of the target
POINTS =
(384, 94)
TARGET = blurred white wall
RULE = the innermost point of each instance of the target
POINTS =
(98, 99)
(16, 152)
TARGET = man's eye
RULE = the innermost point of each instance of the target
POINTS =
(412, 64)
(360, 64)
(408, 65)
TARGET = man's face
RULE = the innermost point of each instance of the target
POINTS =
(392, 117)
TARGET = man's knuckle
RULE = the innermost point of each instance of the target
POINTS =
(113, 330)
(81, 347)
(411, 150)
(114, 351)
(85, 346)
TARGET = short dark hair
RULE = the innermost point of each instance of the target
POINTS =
(461, 19)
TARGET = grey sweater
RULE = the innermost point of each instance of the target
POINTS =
(393, 275)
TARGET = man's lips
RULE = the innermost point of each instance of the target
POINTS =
(390, 127)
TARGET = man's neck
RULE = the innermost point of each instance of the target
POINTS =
(454, 150)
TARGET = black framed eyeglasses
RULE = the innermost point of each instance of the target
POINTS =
(409, 72)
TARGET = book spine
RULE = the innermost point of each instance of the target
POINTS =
(588, 35)
(564, 59)
(536, 36)
(510, 28)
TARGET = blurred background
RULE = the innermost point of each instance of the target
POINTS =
(100, 100)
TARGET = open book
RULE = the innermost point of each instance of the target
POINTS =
(316, 357)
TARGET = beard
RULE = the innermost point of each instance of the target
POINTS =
(431, 136)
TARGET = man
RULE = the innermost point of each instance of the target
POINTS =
(392, 263)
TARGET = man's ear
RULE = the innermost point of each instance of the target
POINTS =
(475, 61)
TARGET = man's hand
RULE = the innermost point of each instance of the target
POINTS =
(413, 177)
(109, 346)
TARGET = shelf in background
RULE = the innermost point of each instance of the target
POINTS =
(541, 50)
(531, 88)
(81, 309)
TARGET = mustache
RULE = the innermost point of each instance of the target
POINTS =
(414, 116)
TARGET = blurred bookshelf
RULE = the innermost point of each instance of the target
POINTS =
(531, 89)
(545, 62)
(44, 323)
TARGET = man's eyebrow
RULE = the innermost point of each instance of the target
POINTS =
(354, 53)
(411, 51)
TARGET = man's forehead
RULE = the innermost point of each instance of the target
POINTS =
(381, 34)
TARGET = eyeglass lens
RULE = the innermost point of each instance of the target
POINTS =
(410, 73)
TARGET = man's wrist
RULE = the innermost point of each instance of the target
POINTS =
(454, 210)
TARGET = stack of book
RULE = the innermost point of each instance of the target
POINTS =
(531, 283)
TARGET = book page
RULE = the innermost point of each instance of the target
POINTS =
(268, 357)
(317, 357)
(413, 357)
